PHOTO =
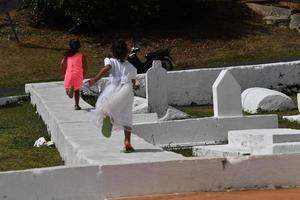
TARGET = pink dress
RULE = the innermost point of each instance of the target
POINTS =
(74, 72)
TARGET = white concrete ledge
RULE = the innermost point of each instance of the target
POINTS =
(200, 130)
(166, 177)
(194, 86)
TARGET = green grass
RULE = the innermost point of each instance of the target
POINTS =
(20, 127)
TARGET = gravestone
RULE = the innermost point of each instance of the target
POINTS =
(226, 96)
(258, 99)
(156, 89)
(298, 101)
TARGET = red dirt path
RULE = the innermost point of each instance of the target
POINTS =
(278, 194)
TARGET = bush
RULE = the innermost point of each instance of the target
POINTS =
(103, 15)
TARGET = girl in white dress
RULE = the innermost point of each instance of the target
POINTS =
(115, 103)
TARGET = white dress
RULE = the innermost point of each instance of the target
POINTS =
(117, 97)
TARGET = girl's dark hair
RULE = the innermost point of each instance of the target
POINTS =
(119, 49)
(74, 47)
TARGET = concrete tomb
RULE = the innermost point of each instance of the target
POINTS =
(262, 99)
(254, 142)
(294, 118)
(156, 89)
(226, 96)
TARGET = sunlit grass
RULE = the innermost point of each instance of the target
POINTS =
(19, 128)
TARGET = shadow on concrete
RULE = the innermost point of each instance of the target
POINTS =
(148, 150)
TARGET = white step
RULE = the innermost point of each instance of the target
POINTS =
(261, 138)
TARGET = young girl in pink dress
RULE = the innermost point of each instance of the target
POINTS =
(114, 105)
(73, 68)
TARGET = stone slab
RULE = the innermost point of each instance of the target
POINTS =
(298, 101)
(220, 151)
(259, 99)
(256, 139)
(292, 118)
(143, 118)
(156, 89)
(226, 96)
(200, 130)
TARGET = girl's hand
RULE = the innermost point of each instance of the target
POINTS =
(92, 82)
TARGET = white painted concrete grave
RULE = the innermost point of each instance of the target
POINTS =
(208, 129)
(254, 142)
(262, 99)
(226, 95)
(294, 118)
(156, 89)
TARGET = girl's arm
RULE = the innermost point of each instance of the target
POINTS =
(84, 65)
(135, 86)
(103, 72)
(63, 65)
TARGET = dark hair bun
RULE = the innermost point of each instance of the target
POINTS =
(120, 49)
(74, 44)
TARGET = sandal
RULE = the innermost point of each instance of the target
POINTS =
(107, 127)
(70, 92)
(128, 149)
(77, 107)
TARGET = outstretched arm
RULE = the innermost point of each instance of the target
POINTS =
(63, 65)
(103, 72)
(135, 86)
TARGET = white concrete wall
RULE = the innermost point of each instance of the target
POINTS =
(194, 86)
(201, 129)
(185, 175)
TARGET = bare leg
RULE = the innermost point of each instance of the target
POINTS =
(77, 96)
(127, 140)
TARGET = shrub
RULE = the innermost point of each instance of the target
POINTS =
(99, 15)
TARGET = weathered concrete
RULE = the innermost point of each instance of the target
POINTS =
(166, 177)
(77, 137)
(12, 99)
(259, 99)
(219, 151)
(265, 10)
(295, 21)
(226, 96)
(262, 137)
(156, 89)
(298, 101)
(277, 20)
(254, 142)
(200, 130)
(140, 105)
(194, 86)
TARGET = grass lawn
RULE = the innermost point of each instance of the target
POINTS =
(19, 128)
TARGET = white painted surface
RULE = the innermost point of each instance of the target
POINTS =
(167, 177)
(298, 101)
(12, 99)
(219, 151)
(78, 139)
(200, 130)
(156, 89)
(254, 142)
(262, 137)
(262, 99)
(292, 118)
(194, 86)
(174, 114)
(140, 105)
(226, 96)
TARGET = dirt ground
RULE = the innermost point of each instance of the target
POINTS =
(278, 194)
